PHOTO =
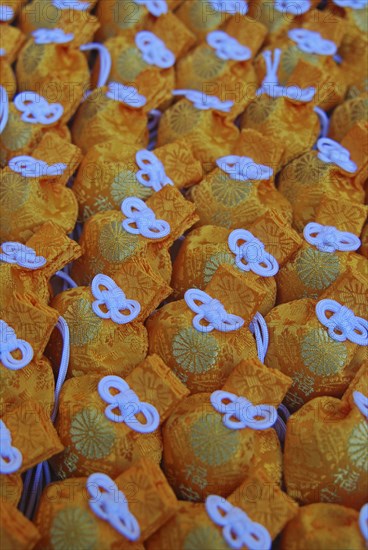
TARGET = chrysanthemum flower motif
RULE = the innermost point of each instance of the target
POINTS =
(227, 47)
(141, 220)
(10, 457)
(205, 102)
(329, 239)
(30, 167)
(22, 255)
(354, 4)
(295, 7)
(70, 5)
(332, 152)
(251, 254)
(240, 413)
(152, 171)
(155, 7)
(52, 36)
(230, 6)
(271, 86)
(211, 314)
(109, 295)
(125, 94)
(238, 529)
(110, 504)
(312, 42)
(9, 343)
(124, 405)
(36, 110)
(343, 324)
(244, 168)
(361, 402)
(153, 50)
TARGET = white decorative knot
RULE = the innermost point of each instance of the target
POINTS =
(126, 404)
(125, 94)
(227, 47)
(332, 152)
(152, 171)
(295, 7)
(205, 102)
(154, 50)
(361, 402)
(9, 343)
(22, 255)
(71, 4)
(251, 254)
(111, 505)
(114, 301)
(10, 457)
(329, 239)
(51, 36)
(211, 311)
(343, 324)
(239, 413)
(244, 168)
(155, 7)
(354, 4)
(238, 530)
(2, 52)
(141, 220)
(30, 167)
(36, 110)
(271, 86)
(363, 521)
(6, 13)
(312, 42)
(230, 6)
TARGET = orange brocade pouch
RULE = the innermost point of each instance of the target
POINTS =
(206, 248)
(146, 229)
(147, 60)
(97, 431)
(320, 344)
(333, 169)
(328, 250)
(200, 353)
(257, 503)
(34, 191)
(70, 511)
(211, 441)
(53, 64)
(103, 340)
(113, 112)
(241, 188)
(330, 437)
(323, 525)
